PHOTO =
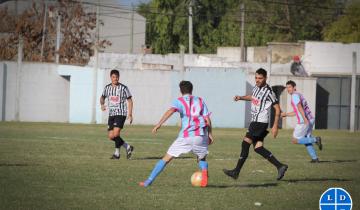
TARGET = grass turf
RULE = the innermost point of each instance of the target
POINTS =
(67, 166)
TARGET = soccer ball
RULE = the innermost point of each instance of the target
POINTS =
(196, 179)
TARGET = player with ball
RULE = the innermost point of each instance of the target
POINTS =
(195, 134)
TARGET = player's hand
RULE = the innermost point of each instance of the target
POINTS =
(103, 107)
(306, 121)
(274, 131)
(211, 139)
(130, 118)
(283, 114)
(237, 98)
(154, 130)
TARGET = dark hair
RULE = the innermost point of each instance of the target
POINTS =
(262, 72)
(186, 87)
(114, 71)
(292, 83)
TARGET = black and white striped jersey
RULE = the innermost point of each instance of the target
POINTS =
(117, 96)
(262, 100)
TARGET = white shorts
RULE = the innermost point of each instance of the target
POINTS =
(303, 130)
(197, 145)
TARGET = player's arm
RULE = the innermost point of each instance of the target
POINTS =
(163, 119)
(274, 129)
(102, 103)
(287, 114)
(130, 109)
(301, 110)
(209, 127)
(244, 98)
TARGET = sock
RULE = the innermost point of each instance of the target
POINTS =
(243, 156)
(267, 155)
(160, 165)
(125, 145)
(310, 149)
(118, 142)
(307, 140)
(117, 152)
(203, 165)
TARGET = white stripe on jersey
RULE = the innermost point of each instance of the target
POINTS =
(262, 100)
(117, 96)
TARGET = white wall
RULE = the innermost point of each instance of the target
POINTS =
(330, 58)
(44, 95)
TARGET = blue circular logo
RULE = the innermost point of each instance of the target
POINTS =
(335, 199)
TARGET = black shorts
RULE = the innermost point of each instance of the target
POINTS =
(116, 121)
(257, 131)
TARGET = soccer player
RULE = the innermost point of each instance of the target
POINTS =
(194, 136)
(305, 122)
(120, 107)
(262, 99)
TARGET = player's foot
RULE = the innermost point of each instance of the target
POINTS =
(315, 160)
(319, 143)
(145, 183)
(129, 151)
(204, 180)
(281, 171)
(115, 157)
(231, 173)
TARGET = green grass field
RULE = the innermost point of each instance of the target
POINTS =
(67, 166)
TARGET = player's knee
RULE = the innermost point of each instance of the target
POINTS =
(111, 137)
(248, 140)
(294, 141)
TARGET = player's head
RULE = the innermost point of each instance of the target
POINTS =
(290, 87)
(186, 87)
(260, 77)
(114, 75)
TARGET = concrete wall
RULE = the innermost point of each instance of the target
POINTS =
(330, 58)
(44, 95)
(154, 90)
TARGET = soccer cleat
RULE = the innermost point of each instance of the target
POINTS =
(129, 151)
(319, 143)
(281, 171)
(231, 173)
(315, 160)
(204, 180)
(146, 183)
(115, 157)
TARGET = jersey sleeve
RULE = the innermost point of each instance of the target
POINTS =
(295, 99)
(176, 105)
(273, 98)
(205, 110)
(104, 93)
(127, 93)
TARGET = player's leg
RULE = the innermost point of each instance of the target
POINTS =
(178, 147)
(158, 168)
(120, 121)
(301, 137)
(245, 147)
(118, 142)
(261, 150)
(111, 136)
(200, 149)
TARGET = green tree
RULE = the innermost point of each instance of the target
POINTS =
(346, 28)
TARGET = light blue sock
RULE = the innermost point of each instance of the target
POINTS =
(203, 165)
(125, 145)
(307, 140)
(311, 151)
(160, 165)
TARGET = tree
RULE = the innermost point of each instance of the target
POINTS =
(346, 28)
(77, 29)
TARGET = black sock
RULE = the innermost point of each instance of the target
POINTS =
(267, 155)
(118, 142)
(243, 155)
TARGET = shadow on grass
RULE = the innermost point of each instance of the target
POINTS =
(244, 185)
(14, 164)
(338, 161)
(159, 157)
(315, 180)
